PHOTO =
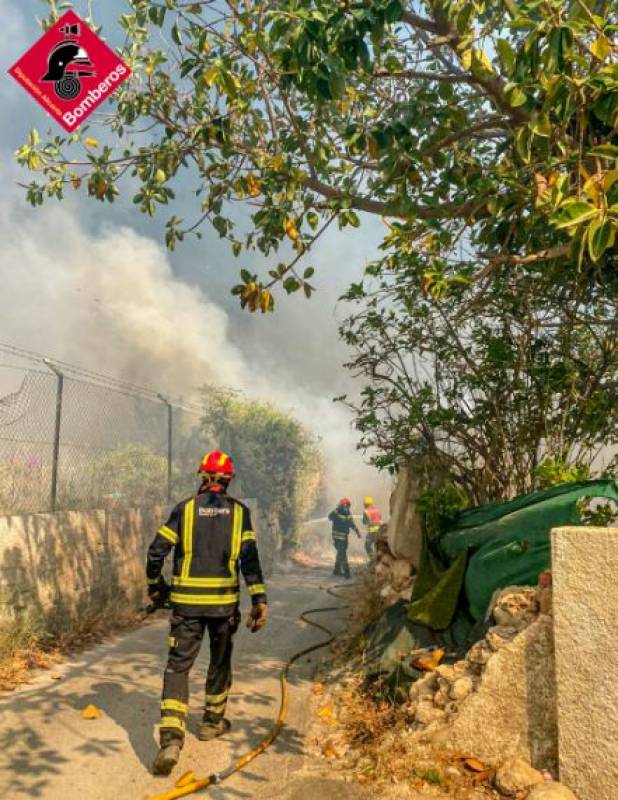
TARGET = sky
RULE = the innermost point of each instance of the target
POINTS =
(92, 284)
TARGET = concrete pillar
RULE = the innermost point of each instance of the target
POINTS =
(585, 602)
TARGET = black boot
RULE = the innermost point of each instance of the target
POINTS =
(166, 758)
(211, 729)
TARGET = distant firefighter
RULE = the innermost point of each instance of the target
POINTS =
(343, 523)
(372, 519)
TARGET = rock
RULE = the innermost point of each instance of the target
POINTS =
(500, 635)
(551, 791)
(426, 712)
(516, 606)
(401, 570)
(461, 688)
(515, 776)
(447, 672)
(479, 654)
(440, 699)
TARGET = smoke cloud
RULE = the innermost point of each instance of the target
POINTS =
(110, 302)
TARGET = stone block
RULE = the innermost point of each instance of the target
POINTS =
(585, 607)
(404, 532)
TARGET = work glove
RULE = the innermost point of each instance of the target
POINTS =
(257, 617)
(159, 593)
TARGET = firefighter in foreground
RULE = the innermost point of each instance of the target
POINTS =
(211, 535)
(372, 519)
(343, 523)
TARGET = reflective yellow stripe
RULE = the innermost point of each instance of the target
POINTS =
(152, 581)
(215, 699)
(174, 705)
(248, 536)
(236, 539)
(257, 588)
(168, 533)
(206, 583)
(187, 537)
(204, 599)
(172, 722)
(219, 708)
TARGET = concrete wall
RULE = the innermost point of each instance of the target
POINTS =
(585, 578)
(72, 563)
(66, 562)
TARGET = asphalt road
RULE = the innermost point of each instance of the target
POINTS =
(48, 751)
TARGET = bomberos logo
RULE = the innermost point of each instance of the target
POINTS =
(70, 71)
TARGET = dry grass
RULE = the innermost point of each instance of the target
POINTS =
(372, 742)
(31, 641)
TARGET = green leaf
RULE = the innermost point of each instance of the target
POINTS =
(246, 276)
(291, 285)
(516, 96)
(599, 236)
(605, 150)
(573, 212)
(176, 34)
(507, 55)
(541, 125)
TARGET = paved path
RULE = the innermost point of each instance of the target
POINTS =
(48, 751)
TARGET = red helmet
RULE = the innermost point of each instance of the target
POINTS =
(216, 465)
(345, 502)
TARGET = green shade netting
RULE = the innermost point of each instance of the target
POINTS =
(493, 546)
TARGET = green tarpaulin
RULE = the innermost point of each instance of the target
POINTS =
(493, 546)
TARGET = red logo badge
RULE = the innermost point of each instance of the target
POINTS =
(70, 71)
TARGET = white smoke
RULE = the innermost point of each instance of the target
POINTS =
(110, 302)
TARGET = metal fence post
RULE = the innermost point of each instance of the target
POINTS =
(169, 445)
(57, 425)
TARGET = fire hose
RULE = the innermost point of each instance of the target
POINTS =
(217, 777)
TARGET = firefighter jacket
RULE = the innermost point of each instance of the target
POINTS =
(212, 536)
(372, 519)
(343, 522)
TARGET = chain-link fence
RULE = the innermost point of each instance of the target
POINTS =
(72, 443)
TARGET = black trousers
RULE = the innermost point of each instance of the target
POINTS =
(185, 641)
(341, 560)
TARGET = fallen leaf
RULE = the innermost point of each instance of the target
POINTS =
(327, 712)
(318, 688)
(482, 777)
(474, 764)
(185, 779)
(431, 662)
(330, 749)
(56, 676)
(91, 712)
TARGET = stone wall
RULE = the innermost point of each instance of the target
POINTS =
(67, 562)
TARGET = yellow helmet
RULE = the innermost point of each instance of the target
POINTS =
(368, 501)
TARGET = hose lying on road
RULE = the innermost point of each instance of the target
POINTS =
(217, 777)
